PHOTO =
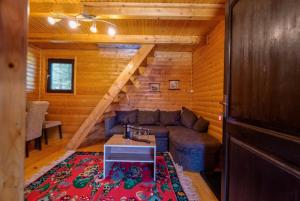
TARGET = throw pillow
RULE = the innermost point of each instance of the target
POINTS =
(188, 117)
(201, 125)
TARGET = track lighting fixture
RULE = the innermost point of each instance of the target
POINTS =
(73, 22)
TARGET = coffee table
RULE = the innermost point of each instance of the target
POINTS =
(118, 149)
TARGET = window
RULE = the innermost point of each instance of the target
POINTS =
(60, 76)
(31, 71)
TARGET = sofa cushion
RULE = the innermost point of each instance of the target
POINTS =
(117, 129)
(201, 125)
(170, 118)
(126, 117)
(158, 131)
(188, 118)
(148, 117)
(190, 141)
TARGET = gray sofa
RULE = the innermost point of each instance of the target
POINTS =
(179, 132)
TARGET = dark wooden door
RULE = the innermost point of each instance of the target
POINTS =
(262, 112)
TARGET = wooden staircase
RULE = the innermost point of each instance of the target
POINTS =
(111, 96)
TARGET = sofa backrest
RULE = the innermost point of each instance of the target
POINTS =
(184, 117)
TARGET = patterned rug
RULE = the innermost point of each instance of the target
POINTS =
(79, 177)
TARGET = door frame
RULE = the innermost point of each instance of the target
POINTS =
(13, 48)
(227, 83)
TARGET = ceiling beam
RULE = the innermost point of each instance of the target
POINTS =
(121, 10)
(103, 38)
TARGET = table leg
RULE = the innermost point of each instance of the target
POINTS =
(106, 164)
(154, 165)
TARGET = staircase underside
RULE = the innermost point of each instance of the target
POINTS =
(105, 104)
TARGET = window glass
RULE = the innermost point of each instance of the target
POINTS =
(60, 75)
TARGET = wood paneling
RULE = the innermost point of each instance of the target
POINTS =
(133, 10)
(129, 27)
(275, 98)
(104, 38)
(95, 72)
(111, 93)
(143, 18)
(33, 73)
(13, 29)
(163, 66)
(143, 1)
(208, 78)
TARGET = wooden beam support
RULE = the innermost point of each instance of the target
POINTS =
(108, 98)
(103, 38)
(132, 10)
(13, 31)
(125, 89)
(136, 83)
(144, 71)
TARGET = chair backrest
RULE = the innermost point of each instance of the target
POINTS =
(34, 119)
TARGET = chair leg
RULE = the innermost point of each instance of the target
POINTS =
(40, 143)
(45, 135)
(26, 150)
(60, 131)
(36, 143)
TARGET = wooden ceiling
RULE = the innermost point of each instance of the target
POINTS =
(182, 23)
(141, 1)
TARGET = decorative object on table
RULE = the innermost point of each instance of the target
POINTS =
(136, 133)
(174, 84)
(80, 177)
(51, 124)
(126, 131)
(154, 87)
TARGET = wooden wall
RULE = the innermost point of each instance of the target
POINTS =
(201, 70)
(162, 67)
(33, 73)
(208, 79)
(95, 70)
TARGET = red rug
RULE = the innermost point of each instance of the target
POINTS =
(80, 177)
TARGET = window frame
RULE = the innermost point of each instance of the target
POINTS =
(49, 73)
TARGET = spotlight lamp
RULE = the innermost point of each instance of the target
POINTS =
(73, 24)
(111, 31)
(52, 20)
(93, 28)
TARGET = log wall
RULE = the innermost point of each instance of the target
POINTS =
(95, 71)
(162, 67)
(208, 79)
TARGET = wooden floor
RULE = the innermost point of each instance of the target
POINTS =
(56, 148)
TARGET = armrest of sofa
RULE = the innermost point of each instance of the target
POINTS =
(109, 123)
